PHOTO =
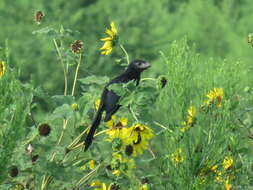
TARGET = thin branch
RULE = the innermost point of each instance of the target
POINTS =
(77, 69)
(64, 69)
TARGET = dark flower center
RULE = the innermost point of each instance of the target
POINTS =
(138, 139)
(44, 129)
(14, 171)
(163, 82)
(129, 150)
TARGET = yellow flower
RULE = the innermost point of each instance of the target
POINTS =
(17, 187)
(2, 68)
(217, 95)
(110, 40)
(121, 164)
(228, 186)
(117, 129)
(177, 157)
(92, 164)
(227, 162)
(138, 136)
(218, 176)
(98, 185)
(185, 127)
(97, 104)
(191, 113)
(74, 106)
(116, 172)
(214, 168)
(144, 187)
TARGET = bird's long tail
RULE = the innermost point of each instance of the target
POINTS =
(93, 128)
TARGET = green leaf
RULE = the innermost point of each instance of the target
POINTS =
(47, 30)
(94, 80)
(61, 99)
(125, 101)
(65, 111)
(118, 89)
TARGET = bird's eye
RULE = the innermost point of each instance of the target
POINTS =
(139, 63)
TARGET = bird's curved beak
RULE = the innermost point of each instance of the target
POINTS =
(146, 65)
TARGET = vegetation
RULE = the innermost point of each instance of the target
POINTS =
(188, 125)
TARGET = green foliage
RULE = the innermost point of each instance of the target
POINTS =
(49, 95)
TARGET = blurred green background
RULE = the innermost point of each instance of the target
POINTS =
(217, 28)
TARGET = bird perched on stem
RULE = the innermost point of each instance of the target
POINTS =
(109, 100)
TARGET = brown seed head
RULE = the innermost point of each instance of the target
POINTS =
(77, 46)
(163, 81)
(114, 187)
(13, 171)
(38, 17)
(44, 129)
(35, 158)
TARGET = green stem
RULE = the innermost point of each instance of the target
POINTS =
(125, 52)
(132, 112)
(86, 177)
(47, 179)
(75, 141)
(64, 69)
(143, 79)
(65, 122)
(77, 69)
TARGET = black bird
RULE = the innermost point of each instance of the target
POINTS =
(109, 100)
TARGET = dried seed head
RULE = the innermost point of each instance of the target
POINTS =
(144, 180)
(114, 187)
(77, 46)
(38, 17)
(109, 167)
(163, 82)
(13, 171)
(44, 129)
(35, 158)
(129, 150)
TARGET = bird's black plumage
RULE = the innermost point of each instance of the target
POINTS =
(109, 100)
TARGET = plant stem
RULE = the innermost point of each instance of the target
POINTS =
(125, 52)
(47, 179)
(65, 122)
(64, 69)
(143, 79)
(86, 177)
(77, 69)
(75, 141)
(132, 112)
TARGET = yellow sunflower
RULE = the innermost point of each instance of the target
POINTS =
(144, 187)
(74, 106)
(117, 128)
(138, 136)
(228, 186)
(98, 185)
(110, 40)
(121, 164)
(92, 164)
(227, 162)
(97, 104)
(191, 114)
(2, 68)
(177, 157)
(215, 95)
